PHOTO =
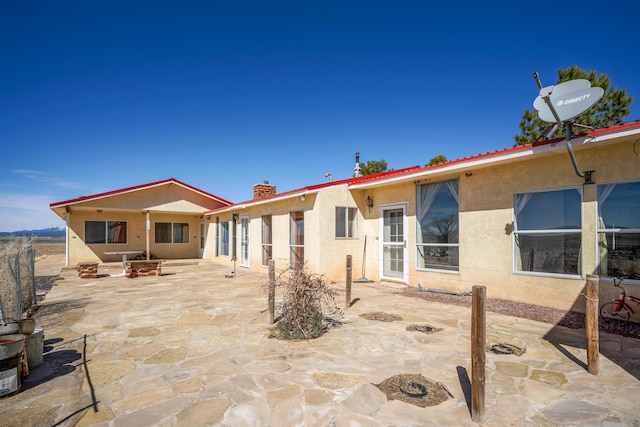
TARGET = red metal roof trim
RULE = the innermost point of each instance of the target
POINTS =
(515, 149)
(134, 188)
(315, 187)
(412, 169)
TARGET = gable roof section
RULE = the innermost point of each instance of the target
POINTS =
(136, 188)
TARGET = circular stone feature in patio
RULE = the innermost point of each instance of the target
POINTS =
(414, 389)
(504, 348)
(382, 317)
(425, 329)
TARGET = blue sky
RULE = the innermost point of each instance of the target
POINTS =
(96, 96)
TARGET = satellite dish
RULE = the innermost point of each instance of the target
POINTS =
(560, 104)
(568, 99)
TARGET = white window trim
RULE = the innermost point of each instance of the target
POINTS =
(448, 245)
(615, 230)
(356, 223)
(580, 231)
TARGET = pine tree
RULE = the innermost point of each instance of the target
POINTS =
(612, 108)
(440, 158)
(373, 166)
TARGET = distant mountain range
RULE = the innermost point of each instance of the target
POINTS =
(44, 232)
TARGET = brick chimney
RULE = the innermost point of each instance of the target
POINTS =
(262, 190)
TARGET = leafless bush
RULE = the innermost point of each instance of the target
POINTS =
(17, 285)
(304, 295)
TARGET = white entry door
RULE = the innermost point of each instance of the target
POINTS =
(244, 240)
(394, 251)
(203, 239)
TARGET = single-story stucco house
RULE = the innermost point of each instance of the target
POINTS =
(519, 221)
(163, 218)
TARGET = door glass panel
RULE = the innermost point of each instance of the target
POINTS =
(244, 241)
(393, 244)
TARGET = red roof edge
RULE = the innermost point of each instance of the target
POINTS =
(137, 187)
(315, 187)
(517, 148)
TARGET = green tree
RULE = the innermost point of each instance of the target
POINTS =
(440, 158)
(610, 110)
(373, 166)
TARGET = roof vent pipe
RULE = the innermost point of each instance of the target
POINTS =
(357, 170)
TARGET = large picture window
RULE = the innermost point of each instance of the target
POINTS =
(548, 232)
(346, 222)
(267, 239)
(619, 230)
(437, 226)
(171, 232)
(100, 232)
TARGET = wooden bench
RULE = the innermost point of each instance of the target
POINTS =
(87, 270)
(143, 268)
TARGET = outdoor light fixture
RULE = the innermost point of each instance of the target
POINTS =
(302, 198)
(369, 202)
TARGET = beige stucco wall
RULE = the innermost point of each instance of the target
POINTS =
(485, 225)
(280, 211)
(136, 236)
(486, 218)
(323, 252)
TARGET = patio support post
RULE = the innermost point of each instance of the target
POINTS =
(591, 324)
(272, 291)
(347, 302)
(148, 231)
(478, 355)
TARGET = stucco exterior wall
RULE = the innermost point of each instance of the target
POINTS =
(486, 224)
(136, 236)
(486, 240)
(280, 212)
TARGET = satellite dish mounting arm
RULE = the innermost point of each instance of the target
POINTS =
(545, 94)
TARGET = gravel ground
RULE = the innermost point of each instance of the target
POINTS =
(569, 319)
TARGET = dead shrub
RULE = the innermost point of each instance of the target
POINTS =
(304, 295)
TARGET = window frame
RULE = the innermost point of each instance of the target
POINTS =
(516, 255)
(174, 229)
(296, 247)
(603, 230)
(350, 232)
(453, 185)
(224, 238)
(107, 232)
(266, 244)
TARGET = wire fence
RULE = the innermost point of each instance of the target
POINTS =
(17, 281)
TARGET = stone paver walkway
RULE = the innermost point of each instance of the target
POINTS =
(191, 348)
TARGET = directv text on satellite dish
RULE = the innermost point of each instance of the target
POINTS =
(573, 100)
